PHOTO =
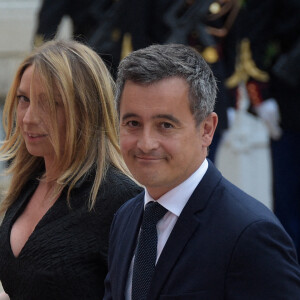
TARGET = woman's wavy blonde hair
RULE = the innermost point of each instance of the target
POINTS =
(87, 91)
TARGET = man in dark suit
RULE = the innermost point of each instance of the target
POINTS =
(214, 241)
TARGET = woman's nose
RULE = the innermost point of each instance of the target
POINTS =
(31, 116)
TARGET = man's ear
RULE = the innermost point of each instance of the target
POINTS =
(209, 125)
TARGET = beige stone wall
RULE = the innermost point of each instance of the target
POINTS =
(17, 23)
(17, 26)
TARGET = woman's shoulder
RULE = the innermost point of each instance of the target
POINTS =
(119, 184)
(115, 189)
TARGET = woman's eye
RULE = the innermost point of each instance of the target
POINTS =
(22, 98)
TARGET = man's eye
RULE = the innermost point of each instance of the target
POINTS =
(166, 125)
(133, 123)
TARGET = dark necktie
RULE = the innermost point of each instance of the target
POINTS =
(146, 250)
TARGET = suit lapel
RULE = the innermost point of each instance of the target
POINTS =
(187, 223)
(128, 243)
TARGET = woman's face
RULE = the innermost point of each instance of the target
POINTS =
(33, 117)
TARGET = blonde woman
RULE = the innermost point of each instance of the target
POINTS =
(67, 176)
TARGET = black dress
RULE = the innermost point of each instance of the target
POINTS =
(66, 255)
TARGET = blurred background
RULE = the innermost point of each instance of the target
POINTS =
(253, 47)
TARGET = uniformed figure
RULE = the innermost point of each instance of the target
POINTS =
(52, 12)
(98, 23)
(269, 62)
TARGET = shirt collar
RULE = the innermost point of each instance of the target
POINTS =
(175, 199)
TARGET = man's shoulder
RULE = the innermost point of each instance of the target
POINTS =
(128, 213)
(240, 207)
(228, 203)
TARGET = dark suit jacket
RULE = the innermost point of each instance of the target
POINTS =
(225, 245)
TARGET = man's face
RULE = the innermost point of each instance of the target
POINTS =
(159, 140)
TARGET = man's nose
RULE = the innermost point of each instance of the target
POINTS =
(147, 141)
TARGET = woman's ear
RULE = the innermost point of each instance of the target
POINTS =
(209, 125)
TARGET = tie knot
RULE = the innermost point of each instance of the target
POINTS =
(152, 214)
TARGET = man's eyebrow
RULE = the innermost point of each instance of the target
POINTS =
(129, 115)
(168, 117)
(159, 116)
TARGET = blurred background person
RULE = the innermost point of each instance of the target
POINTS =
(267, 36)
(51, 14)
(67, 175)
(100, 23)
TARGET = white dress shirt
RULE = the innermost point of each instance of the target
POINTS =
(174, 201)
